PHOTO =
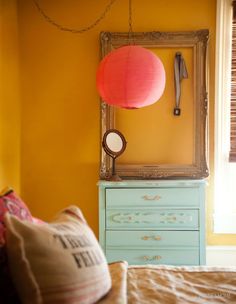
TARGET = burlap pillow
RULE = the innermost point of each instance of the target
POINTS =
(60, 262)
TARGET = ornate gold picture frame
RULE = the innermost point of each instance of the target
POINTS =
(195, 44)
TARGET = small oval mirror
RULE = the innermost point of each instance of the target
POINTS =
(114, 144)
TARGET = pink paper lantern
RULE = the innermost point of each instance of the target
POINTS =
(131, 77)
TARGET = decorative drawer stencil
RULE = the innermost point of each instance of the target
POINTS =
(168, 219)
(154, 222)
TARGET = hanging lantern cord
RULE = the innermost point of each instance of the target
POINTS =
(67, 29)
(131, 36)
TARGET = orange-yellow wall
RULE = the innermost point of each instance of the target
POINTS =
(9, 96)
(59, 103)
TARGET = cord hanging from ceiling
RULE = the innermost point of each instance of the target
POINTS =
(74, 30)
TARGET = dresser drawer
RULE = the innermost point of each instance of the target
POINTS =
(139, 239)
(154, 219)
(150, 197)
(160, 256)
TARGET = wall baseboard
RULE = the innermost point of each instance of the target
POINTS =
(221, 256)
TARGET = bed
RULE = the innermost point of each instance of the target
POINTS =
(169, 284)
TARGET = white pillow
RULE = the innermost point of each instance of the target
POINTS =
(60, 262)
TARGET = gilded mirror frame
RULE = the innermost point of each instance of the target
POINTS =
(197, 41)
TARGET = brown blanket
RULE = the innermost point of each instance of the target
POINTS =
(169, 285)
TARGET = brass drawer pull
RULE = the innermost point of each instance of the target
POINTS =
(152, 258)
(151, 198)
(154, 237)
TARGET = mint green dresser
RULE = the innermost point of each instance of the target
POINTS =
(153, 222)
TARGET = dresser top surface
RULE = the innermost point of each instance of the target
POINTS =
(151, 183)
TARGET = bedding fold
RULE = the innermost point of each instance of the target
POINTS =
(118, 292)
